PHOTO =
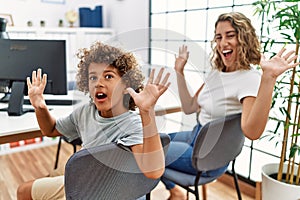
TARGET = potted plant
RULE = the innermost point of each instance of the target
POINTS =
(283, 19)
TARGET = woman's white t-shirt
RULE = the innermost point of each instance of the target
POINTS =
(223, 92)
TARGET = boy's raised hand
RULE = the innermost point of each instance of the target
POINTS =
(36, 89)
(155, 87)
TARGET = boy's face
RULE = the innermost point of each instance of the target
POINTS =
(106, 89)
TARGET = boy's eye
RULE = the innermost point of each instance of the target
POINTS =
(93, 78)
(108, 76)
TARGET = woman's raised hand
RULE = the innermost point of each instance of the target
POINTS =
(36, 88)
(279, 63)
(155, 87)
(180, 61)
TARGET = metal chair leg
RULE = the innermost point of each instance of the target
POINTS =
(57, 153)
(148, 196)
(236, 181)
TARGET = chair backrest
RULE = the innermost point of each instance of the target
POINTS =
(107, 172)
(218, 143)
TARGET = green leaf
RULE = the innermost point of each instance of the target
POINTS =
(293, 150)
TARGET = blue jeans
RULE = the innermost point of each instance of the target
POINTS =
(179, 155)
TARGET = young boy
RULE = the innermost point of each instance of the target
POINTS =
(114, 82)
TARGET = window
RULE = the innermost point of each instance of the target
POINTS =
(191, 22)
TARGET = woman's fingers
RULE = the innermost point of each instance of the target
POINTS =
(286, 56)
(281, 52)
(289, 60)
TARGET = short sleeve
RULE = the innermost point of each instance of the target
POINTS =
(67, 126)
(249, 84)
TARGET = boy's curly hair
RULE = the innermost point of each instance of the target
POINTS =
(249, 46)
(124, 62)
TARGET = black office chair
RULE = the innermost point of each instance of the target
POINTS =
(107, 172)
(74, 143)
(219, 142)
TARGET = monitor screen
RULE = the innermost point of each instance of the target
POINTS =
(19, 57)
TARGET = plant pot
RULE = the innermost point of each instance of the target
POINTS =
(277, 190)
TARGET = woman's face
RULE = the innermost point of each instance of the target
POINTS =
(106, 89)
(226, 40)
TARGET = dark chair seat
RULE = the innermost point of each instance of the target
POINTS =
(107, 172)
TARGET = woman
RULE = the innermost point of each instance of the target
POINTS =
(232, 86)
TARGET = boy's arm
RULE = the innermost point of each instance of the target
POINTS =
(149, 155)
(35, 92)
(46, 122)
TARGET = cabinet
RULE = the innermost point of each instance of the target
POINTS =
(76, 38)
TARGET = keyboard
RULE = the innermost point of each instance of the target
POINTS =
(56, 102)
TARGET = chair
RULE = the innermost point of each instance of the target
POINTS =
(107, 172)
(74, 143)
(218, 143)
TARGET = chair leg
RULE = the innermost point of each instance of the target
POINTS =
(148, 196)
(196, 190)
(236, 181)
(204, 192)
(74, 148)
(57, 153)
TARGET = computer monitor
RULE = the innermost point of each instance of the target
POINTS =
(19, 57)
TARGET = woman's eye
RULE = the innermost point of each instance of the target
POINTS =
(231, 36)
(217, 38)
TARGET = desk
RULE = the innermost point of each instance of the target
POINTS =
(16, 128)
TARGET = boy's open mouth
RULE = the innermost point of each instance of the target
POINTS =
(101, 95)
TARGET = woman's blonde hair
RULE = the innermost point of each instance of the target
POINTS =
(249, 46)
(125, 62)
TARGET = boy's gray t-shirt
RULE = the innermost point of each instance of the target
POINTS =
(94, 130)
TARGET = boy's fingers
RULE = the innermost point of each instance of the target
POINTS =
(158, 78)
(150, 80)
(44, 80)
(165, 79)
(28, 82)
(131, 92)
(33, 76)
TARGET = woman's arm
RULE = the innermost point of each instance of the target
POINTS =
(149, 155)
(35, 92)
(189, 103)
(255, 112)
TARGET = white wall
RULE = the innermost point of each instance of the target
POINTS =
(124, 16)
